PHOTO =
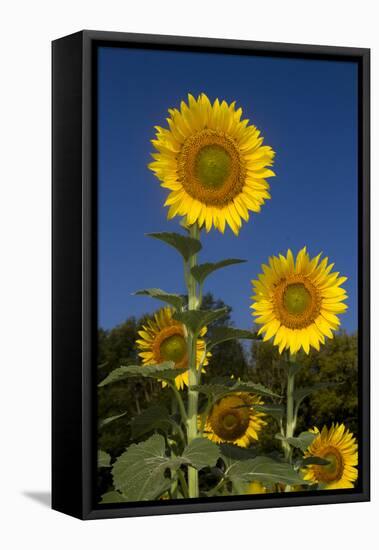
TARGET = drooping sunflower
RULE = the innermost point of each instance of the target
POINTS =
(164, 339)
(213, 163)
(298, 301)
(337, 445)
(233, 419)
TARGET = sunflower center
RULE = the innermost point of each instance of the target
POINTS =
(296, 298)
(296, 302)
(211, 168)
(230, 418)
(174, 348)
(332, 471)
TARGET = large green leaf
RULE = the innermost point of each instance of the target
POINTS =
(110, 419)
(200, 272)
(201, 452)
(314, 460)
(263, 469)
(103, 459)
(196, 319)
(139, 473)
(112, 497)
(186, 246)
(154, 418)
(173, 299)
(222, 334)
(301, 442)
(276, 411)
(164, 371)
(217, 391)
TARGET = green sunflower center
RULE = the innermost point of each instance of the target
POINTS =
(332, 471)
(230, 418)
(296, 299)
(229, 421)
(213, 165)
(173, 348)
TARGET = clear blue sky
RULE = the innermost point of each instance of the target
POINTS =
(306, 110)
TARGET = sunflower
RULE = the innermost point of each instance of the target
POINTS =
(213, 163)
(164, 339)
(298, 301)
(233, 419)
(339, 447)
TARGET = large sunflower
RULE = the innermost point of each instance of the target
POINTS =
(298, 301)
(339, 447)
(213, 163)
(164, 339)
(233, 419)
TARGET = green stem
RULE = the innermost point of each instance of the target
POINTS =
(183, 483)
(179, 400)
(192, 431)
(290, 417)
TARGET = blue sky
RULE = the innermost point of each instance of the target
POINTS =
(306, 110)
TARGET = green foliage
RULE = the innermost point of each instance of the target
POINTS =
(195, 320)
(164, 371)
(202, 271)
(174, 300)
(186, 246)
(201, 452)
(110, 419)
(103, 459)
(263, 469)
(139, 473)
(301, 442)
(223, 334)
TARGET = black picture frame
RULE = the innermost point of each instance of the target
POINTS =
(74, 272)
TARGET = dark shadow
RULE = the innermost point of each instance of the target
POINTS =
(42, 497)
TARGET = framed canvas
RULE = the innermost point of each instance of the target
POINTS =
(210, 275)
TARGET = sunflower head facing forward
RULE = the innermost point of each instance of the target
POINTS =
(213, 163)
(164, 339)
(339, 447)
(233, 419)
(297, 301)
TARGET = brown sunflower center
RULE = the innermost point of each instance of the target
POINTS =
(210, 167)
(171, 345)
(230, 418)
(296, 302)
(332, 471)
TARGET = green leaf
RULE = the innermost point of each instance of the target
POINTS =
(314, 460)
(103, 459)
(276, 411)
(196, 319)
(217, 391)
(201, 452)
(112, 497)
(110, 419)
(164, 371)
(222, 334)
(263, 469)
(301, 442)
(154, 418)
(139, 473)
(200, 272)
(173, 299)
(186, 246)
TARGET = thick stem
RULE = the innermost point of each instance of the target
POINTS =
(192, 431)
(290, 417)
